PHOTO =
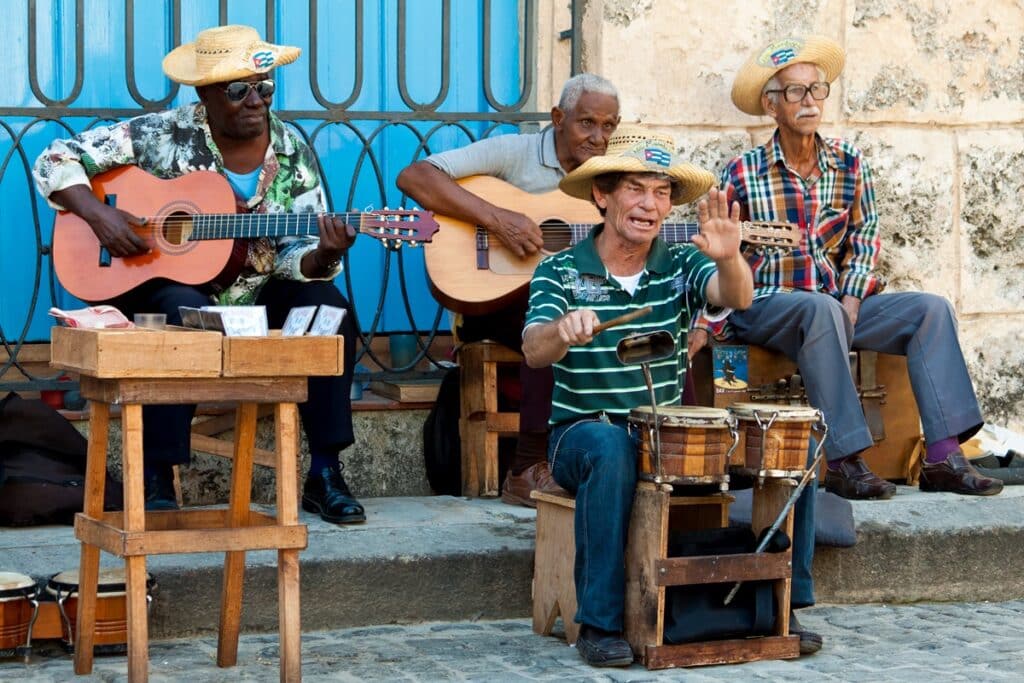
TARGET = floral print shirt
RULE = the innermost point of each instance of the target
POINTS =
(172, 143)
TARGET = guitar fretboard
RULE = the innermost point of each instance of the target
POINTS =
(252, 225)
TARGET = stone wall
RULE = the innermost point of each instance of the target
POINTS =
(933, 92)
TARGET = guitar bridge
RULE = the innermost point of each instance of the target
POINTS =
(483, 259)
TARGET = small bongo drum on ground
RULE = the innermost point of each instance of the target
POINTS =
(776, 438)
(111, 633)
(695, 444)
(18, 610)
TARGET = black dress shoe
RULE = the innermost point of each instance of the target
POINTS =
(853, 480)
(810, 642)
(603, 648)
(327, 493)
(159, 488)
(957, 475)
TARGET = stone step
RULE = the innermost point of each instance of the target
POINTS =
(449, 559)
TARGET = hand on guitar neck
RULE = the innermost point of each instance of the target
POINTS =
(113, 227)
(336, 236)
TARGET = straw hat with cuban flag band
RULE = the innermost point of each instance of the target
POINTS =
(225, 53)
(635, 149)
(823, 52)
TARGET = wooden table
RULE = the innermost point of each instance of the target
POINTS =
(148, 369)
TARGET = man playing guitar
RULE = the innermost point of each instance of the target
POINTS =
(586, 116)
(231, 131)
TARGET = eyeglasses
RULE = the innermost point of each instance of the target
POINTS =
(796, 92)
(239, 90)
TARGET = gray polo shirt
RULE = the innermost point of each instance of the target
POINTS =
(527, 160)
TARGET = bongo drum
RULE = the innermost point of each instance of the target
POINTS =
(111, 632)
(695, 444)
(18, 610)
(775, 437)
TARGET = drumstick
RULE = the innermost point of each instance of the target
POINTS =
(622, 319)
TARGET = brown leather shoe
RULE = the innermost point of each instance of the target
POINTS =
(957, 475)
(537, 477)
(853, 480)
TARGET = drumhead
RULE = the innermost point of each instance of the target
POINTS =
(111, 582)
(15, 586)
(745, 410)
(684, 416)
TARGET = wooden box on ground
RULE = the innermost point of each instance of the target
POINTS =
(649, 571)
(767, 377)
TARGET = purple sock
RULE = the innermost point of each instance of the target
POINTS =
(938, 451)
(319, 460)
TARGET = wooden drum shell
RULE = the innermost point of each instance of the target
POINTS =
(784, 442)
(695, 444)
(111, 605)
(16, 609)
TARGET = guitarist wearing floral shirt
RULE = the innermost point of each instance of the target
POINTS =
(230, 131)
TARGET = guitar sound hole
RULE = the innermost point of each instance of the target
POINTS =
(557, 235)
(177, 228)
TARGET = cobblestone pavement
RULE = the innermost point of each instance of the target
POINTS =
(922, 642)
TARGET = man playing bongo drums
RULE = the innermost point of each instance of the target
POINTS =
(621, 266)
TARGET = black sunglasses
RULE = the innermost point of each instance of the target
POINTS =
(239, 90)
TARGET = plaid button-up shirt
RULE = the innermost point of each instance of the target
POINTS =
(834, 207)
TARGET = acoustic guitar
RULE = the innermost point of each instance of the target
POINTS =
(191, 226)
(472, 272)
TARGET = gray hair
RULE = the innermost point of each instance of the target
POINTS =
(773, 84)
(574, 88)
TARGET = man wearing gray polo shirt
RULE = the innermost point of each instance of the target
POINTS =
(586, 116)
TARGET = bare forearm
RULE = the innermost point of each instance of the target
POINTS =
(78, 199)
(734, 284)
(431, 188)
(543, 345)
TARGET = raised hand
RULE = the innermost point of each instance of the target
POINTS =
(719, 236)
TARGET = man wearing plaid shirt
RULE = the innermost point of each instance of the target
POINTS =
(824, 297)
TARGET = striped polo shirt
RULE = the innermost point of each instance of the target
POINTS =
(590, 379)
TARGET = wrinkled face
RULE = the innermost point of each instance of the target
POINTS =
(242, 120)
(583, 131)
(636, 207)
(800, 118)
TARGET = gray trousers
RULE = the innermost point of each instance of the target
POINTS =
(813, 330)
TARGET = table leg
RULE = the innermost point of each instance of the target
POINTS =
(768, 500)
(135, 521)
(286, 428)
(237, 516)
(89, 563)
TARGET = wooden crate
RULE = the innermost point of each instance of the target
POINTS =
(181, 352)
(277, 356)
(136, 352)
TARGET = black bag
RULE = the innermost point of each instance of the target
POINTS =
(42, 466)
(696, 613)
(442, 448)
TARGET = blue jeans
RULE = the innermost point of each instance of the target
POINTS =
(596, 461)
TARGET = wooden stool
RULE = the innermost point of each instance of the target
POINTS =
(135, 533)
(480, 423)
(649, 571)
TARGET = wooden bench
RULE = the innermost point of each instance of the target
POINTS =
(649, 571)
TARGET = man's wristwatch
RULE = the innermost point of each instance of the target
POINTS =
(328, 266)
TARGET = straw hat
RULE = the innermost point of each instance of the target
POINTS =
(635, 149)
(225, 53)
(759, 69)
